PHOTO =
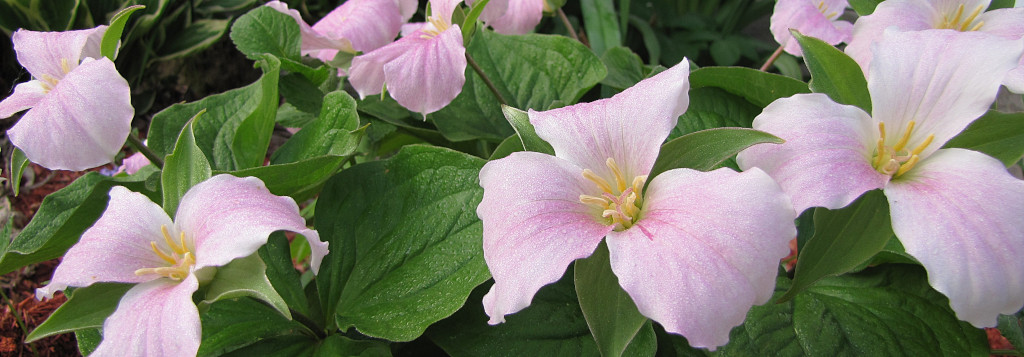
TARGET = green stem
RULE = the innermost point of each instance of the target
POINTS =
(487, 80)
(568, 26)
(137, 144)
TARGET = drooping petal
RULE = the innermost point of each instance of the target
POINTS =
(444, 9)
(534, 226)
(367, 71)
(958, 213)
(231, 217)
(313, 43)
(81, 123)
(26, 95)
(1008, 23)
(53, 54)
(825, 161)
(904, 15)
(806, 16)
(628, 127)
(941, 79)
(367, 24)
(430, 74)
(520, 17)
(115, 246)
(156, 318)
(702, 254)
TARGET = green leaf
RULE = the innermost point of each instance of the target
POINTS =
(112, 37)
(305, 346)
(265, 30)
(864, 7)
(235, 131)
(507, 147)
(996, 134)
(87, 308)
(612, 316)
(56, 15)
(184, 168)
(216, 6)
(469, 24)
(336, 132)
(552, 325)
(1000, 4)
(281, 273)
(883, 311)
(600, 20)
(705, 150)
(299, 180)
(244, 277)
(199, 35)
(63, 216)
(834, 73)
(403, 232)
(843, 239)
(1012, 327)
(18, 164)
(520, 121)
(757, 87)
(625, 68)
(88, 339)
(231, 324)
(530, 71)
(712, 108)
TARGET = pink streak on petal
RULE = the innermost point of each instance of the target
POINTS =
(942, 79)
(157, 318)
(905, 15)
(231, 217)
(628, 127)
(958, 213)
(805, 17)
(115, 246)
(26, 95)
(41, 52)
(712, 254)
(520, 18)
(430, 74)
(534, 226)
(83, 121)
(825, 161)
(1008, 23)
(367, 71)
(368, 24)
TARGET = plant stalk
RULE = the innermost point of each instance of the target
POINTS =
(775, 55)
(487, 80)
(137, 144)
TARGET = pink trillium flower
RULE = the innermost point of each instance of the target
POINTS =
(512, 17)
(424, 71)
(694, 251)
(916, 15)
(79, 107)
(814, 18)
(356, 25)
(956, 211)
(134, 241)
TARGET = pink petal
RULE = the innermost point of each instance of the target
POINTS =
(825, 161)
(701, 254)
(26, 95)
(83, 121)
(367, 24)
(367, 71)
(941, 79)
(905, 15)
(42, 53)
(628, 127)
(494, 10)
(115, 246)
(231, 217)
(157, 318)
(134, 163)
(958, 213)
(520, 18)
(407, 8)
(805, 17)
(534, 226)
(1008, 23)
(444, 9)
(430, 74)
(313, 43)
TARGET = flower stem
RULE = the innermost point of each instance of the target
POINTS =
(308, 323)
(487, 80)
(775, 55)
(137, 144)
(568, 26)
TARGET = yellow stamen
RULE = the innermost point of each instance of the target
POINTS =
(594, 201)
(978, 26)
(170, 243)
(64, 65)
(590, 175)
(161, 254)
(970, 18)
(620, 182)
(907, 165)
(920, 148)
(956, 19)
(906, 137)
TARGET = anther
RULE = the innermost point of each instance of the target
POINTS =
(620, 182)
(590, 175)
(907, 165)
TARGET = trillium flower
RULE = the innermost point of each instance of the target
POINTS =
(134, 241)
(512, 17)
(956, 211)
(424, 71)
(694, 251)
(79, 107)
(356, 25)
(815, 18)
(916, 15)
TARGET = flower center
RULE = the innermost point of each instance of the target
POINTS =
(957, 21)
(896, 160)
(440, 25)
(180, 257)
(831, 15)
(619, 204)
(49, 82)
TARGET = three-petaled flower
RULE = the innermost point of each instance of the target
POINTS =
(955, 210)
(134, 241)
(695, 250)
(356, 25)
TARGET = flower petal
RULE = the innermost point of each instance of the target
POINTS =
(367, 24)
(367, 71)
(231, 217)
(905, 15)
(825, 161)
(43, 53)
(941, 79)
(1008, 23)
(26, 95)
(701, 254)
(958, 213)
(430, 74)
(628, 127)
(408, 8)
(115, 246)
(534, 226)
(313, 43)
(444, 8)
(520, 17)
(83, 121)
(805, 17)
(156, 318)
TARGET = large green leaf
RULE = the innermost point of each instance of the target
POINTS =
(235, 323)
(625, 68)
(712, 108)
(834, 73)
(265, 30)
(612, 316)
(530, 71)
(705, 150)
(843, 239)
(235, 131)
(600, 20)
(87, 307)
(757, 87)
(282, 274)
(184, 168)
(883, 311)
(405, 241)
(244, 277)
(996, 134)
(334, 133)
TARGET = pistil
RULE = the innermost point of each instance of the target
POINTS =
(619, 202)
(896, 160)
